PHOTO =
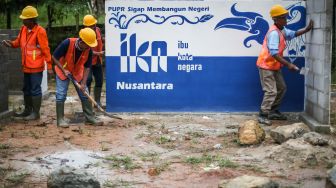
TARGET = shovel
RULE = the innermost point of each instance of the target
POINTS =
(77, 85)
(92, 100)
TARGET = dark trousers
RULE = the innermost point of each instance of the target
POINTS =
(32, 84)
(97, 72)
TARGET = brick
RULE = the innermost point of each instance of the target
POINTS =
(309, 6)
(320, 83)
(312, 95)
(323, 100)
(319, 6)
(315, 51)
(327, 37)
(310, 80)
(317, 19)
(321, 115)
(318, 67)
(317, 36)
(309, 107)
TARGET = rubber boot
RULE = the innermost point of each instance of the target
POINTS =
(61, 122)
(89, 116)
(27, 110)
(97, 95)
(36, 104)
(263, 119)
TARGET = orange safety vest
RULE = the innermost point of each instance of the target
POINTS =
(31, 53)
(265, 59)
(98, 48)
(68, 62)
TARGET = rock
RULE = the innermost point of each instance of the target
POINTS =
(283, 133)
(331, 180)
(301, 154)
(153, 172)
(315, 139)
(71, 177)
(250, 132)
(248, 182)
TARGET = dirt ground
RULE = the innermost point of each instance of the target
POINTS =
(147, 150)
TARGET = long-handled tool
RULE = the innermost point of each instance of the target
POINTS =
(91, 99)
(77, 85)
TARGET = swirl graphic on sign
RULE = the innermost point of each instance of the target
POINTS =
(255, 24)
(246, 21)
(121, 21)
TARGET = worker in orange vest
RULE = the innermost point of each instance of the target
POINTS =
(73, 57)
(96, 68)
(35, 51)
(271, 60)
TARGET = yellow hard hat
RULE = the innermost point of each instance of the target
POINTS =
(28, 12)
(88, 36)
(89, 20)
(278, 10)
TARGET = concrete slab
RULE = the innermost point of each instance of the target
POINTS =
(314, 125)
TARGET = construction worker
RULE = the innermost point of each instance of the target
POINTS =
(270, 62)
(35, 51)
(96, 68)
(73, 57)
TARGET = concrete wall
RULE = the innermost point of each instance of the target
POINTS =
(4, 76)
(318, 60)
(14, 61)
(15, 68)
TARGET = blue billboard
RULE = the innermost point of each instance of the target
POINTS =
(194, 56)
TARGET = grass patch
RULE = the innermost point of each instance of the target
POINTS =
(119, 183)
(140, 135)
(4, 171)
(17, 178)
(149, 156)
(34, 135)
(211, 159)
(254, 168)
(4, 146)
(193, 160)
(134, 122)
(162, 140)
(226, 163)
(121, 162)
(196, 134)
(162, 167)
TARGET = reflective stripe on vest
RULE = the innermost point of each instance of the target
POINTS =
(98, 48)
(68, 62)
(30, 50)
(265, 59)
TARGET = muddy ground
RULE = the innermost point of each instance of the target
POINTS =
(149, 150)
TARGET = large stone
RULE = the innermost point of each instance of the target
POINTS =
(300, 154)
(315, 139)
(250, 132)
(283, 133)
(331, 180)
(68, 177)
(248, 182)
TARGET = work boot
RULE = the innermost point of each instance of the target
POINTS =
(276, 115)
(263, 119)
(97, 95)
(89, 116)
(35, 113)
(27, 110)
(61, 122)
